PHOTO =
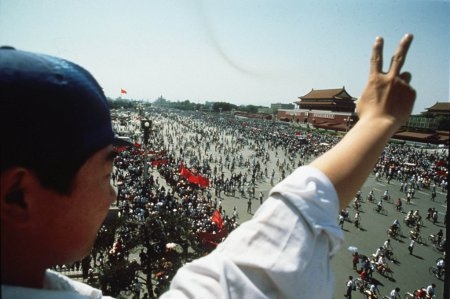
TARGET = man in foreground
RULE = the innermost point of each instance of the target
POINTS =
(55, 188)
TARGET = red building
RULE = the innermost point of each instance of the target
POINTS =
(336, 100)
(331, 109)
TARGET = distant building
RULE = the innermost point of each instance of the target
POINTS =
(331, 109)
(246, 115)
(421, 122)
(327, 99)
(440, 108)
(425, 127)
(266, 110)
(277, 106)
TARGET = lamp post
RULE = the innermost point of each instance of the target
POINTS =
(146, 126)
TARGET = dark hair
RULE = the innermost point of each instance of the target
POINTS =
(53, 175)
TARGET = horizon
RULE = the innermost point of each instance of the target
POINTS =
(243, 53)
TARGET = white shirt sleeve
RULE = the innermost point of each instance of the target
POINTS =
(56, 286)
(280, 253)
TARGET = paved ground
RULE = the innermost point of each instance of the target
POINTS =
(412, 270)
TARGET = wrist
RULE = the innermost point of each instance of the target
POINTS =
(382, 125)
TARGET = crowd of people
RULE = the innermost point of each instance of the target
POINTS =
(412, 169)
(234, 155)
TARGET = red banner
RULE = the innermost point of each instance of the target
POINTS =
(217, 219)
(202, 181)
(212, 240)
(184, 172)
(193, 178)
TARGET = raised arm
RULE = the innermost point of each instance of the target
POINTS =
(384, 106)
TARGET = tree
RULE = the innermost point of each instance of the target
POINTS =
(121, 103)
(223, 106)
(165, 239)
(160, 102)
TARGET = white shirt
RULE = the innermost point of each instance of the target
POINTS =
(56, 286)
(350, 284)
(430, 290)
(279, 253)
(394, 294)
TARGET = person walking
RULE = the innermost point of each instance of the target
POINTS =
(355, 260)
(395, 293)
(357, 220)
(341, 221)
(411, 246)
(350, 287)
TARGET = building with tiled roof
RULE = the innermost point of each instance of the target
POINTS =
(440, 108)
(322, 108)
(333, 109)
(327, 99)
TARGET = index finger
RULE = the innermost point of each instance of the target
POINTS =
(400, 55)
(376, 61)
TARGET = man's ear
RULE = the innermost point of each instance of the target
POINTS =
(14, 206)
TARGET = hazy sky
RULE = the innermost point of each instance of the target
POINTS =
(243, 52)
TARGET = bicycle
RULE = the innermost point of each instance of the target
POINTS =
(393, 234)
(384, 271)
(432, 239)
(381, 210)
(435, 272)
(413, 295)
(439, 248)
(400, 209)
(417, 237)
(409, 295)
(361, 285)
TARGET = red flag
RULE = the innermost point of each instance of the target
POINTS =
(123, 91)
(210, 240)
(202, 181)
(184, 172)
(193, 179)
(217, 218)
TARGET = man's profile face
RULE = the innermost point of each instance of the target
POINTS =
(72, 221)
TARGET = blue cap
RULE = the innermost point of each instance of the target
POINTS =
(52, 111)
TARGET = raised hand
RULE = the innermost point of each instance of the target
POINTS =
(388, 97)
